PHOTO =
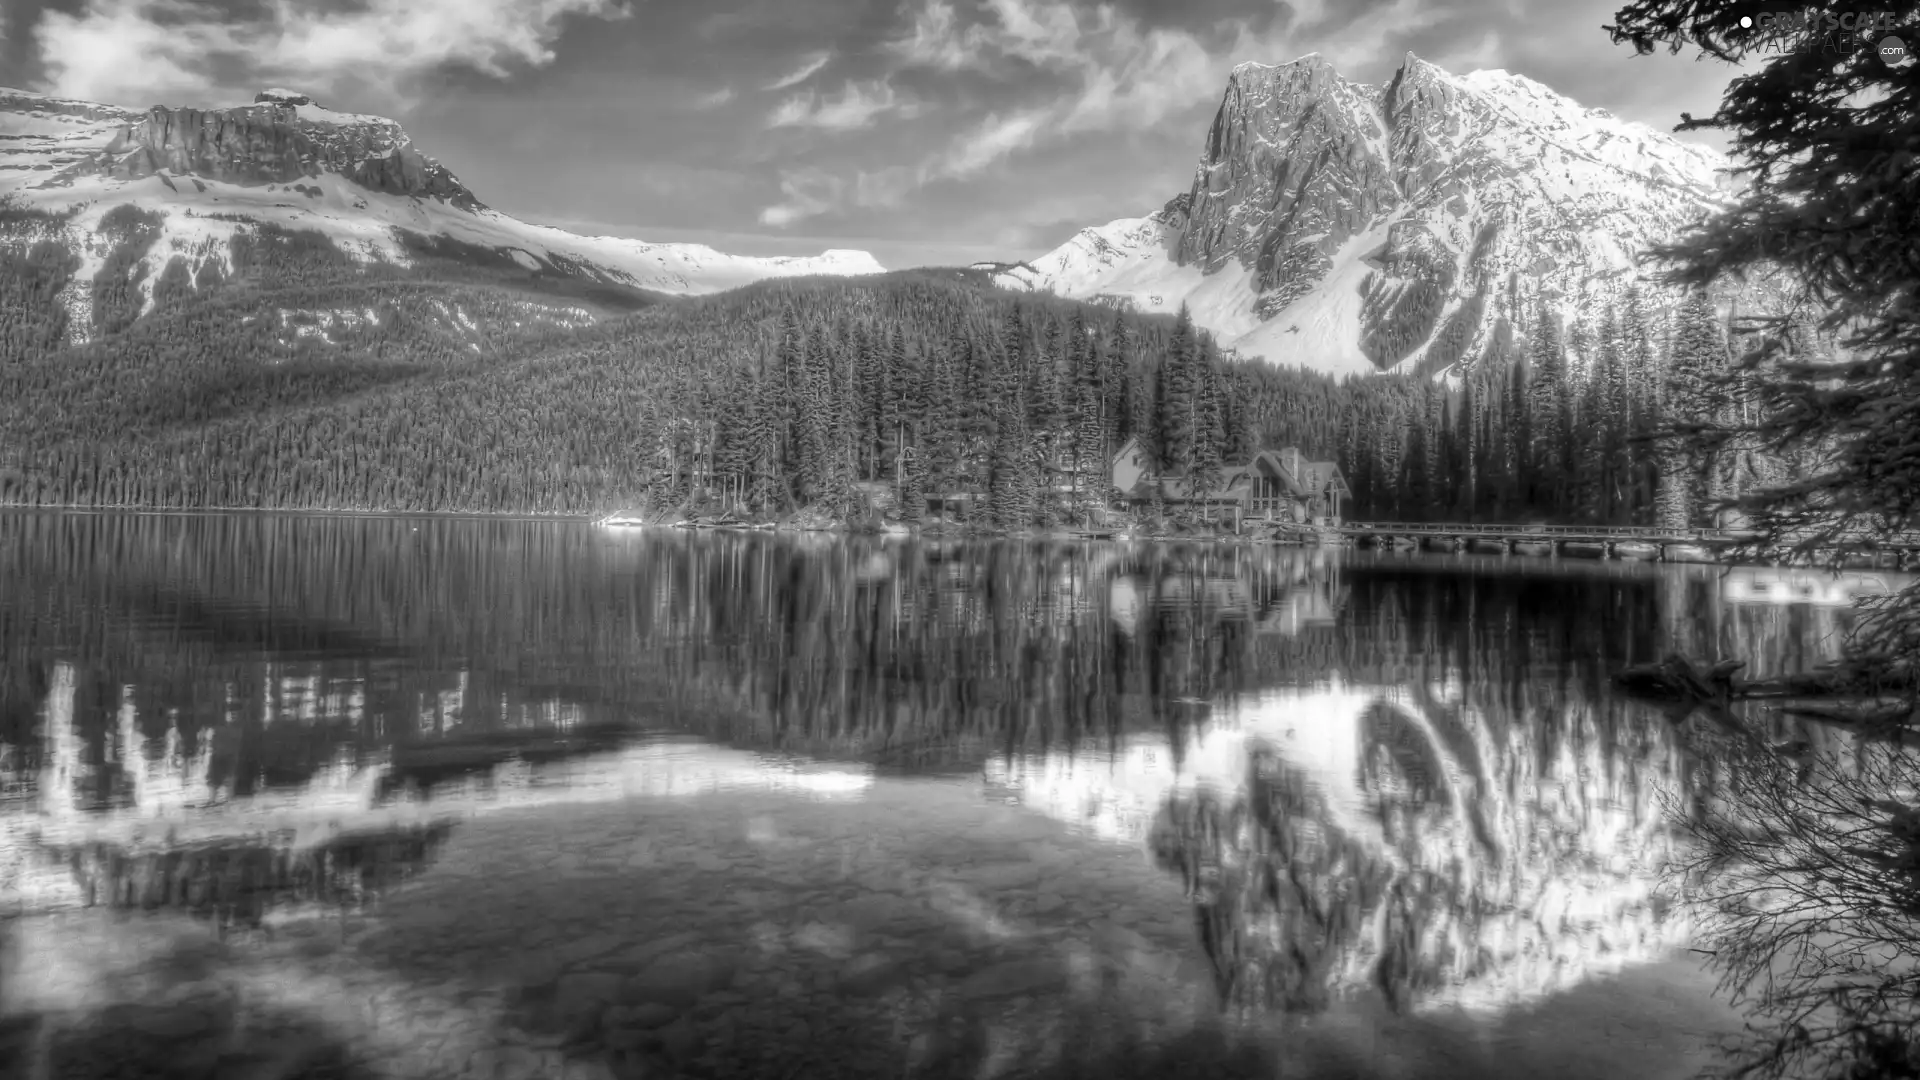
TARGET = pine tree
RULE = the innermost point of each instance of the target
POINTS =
(1434, 415)
(1696, 364)
(1208, 434)
(1519, 467)
(1015, 351)
(1638, 359)
(1580, 353)
(846, 408)
(1390, 455)
(1088, 449)
(769, 483)
(1417, 467)
(1466, 464)
(869, 408)
(814, 474)
(1045, 410)
(1613, 409)
(1237, 418)
(981, 393)
(897, 392)
(939, 432)
(1175, 400)
(734, 446)
(1590, 481)
(1120, 402)
(791, 375)
(1547, 407)
(1010, 486)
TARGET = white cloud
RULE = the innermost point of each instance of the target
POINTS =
(1038, 33)
(1115, 74)
(1352, 45)
(855, 106)
(142, 52)
(998, 137)
(934, 41)
(1484, 53)
(805, 71)
(713, 99)
(1041, 33)
(808, 192)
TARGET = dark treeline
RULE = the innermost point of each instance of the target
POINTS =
(456, 393)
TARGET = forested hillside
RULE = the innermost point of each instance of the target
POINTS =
(307, 381)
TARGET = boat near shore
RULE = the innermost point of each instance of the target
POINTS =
(1538, 548)
(1445, 545)
(1814, 587)
(1635, 549)
(1584, 549)
(1481, 545)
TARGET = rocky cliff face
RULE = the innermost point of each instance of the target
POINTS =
(282, 138)
(1356, 228)
(1294, 165)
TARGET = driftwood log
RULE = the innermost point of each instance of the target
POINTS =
(1837, 695)
(1680, 688)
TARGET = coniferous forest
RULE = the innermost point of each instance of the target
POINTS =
(295, 378)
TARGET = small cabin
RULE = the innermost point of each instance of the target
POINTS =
(1277, 485)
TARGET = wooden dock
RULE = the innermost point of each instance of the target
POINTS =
(1594, 541)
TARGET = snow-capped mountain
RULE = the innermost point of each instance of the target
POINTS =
(1354, 229)
(286, 161)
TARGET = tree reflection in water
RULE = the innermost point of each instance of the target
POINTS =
(1463, 810)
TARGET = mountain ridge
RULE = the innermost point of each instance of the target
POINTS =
(1355, 228)
(204, 179)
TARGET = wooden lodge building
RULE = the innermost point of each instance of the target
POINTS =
(1277, 485)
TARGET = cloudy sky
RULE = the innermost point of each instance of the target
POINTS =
(925, 131)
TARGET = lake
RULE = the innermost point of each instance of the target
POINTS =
(292, 796)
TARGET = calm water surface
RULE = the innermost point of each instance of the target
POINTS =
(290, 796)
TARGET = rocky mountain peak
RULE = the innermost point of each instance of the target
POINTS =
(1359, 228)
(1294, 162)
(176, 200)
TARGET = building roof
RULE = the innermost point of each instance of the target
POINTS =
(1233, 483)
(1325, 476)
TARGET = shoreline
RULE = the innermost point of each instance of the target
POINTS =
(938, 530)
(208, 511)
(667, 520)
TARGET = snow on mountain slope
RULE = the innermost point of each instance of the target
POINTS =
(1354, 229)
(285, 160)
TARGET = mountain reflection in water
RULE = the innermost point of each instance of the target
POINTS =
(1371, 774)
(1337, 838)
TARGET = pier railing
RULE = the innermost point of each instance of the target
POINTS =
(1580, 532)
(1560, 532)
